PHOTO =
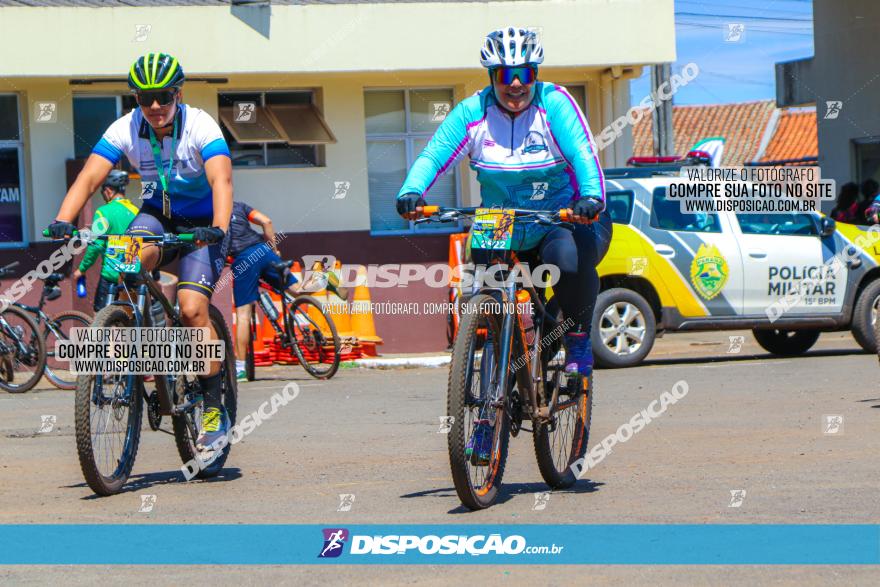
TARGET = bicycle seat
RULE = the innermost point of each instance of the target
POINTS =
(282, 266)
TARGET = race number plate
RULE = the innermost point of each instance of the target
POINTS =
(493, 229)
(124, 253)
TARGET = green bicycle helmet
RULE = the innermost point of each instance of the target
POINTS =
(155, 71)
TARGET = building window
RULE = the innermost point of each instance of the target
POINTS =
(399, 124)
(11, 174)
(92, 115)
(274, 129)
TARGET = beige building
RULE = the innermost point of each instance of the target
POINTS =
(841, 79)
(340, 96)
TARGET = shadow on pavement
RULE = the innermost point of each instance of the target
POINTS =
(508, 491)
(141, 482)
(732, 358)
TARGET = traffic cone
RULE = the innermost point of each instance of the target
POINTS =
(362, 315)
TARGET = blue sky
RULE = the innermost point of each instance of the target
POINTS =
(775, 30)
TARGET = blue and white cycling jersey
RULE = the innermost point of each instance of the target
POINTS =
(198, 139)
(541, 159)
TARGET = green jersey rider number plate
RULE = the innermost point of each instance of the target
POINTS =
(493, 229)
(124, 253)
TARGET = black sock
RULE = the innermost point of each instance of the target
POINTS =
(211, 390)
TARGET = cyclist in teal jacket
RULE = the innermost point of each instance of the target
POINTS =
(531, 147)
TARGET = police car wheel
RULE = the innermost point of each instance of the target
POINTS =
(865, 314)
(787, 343)
(624, 328)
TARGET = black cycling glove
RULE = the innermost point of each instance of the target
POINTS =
(588, 207)
(208, 235)
(407, 204)
(60, 229)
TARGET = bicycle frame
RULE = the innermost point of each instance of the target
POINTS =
(513, 339)
(148, 289)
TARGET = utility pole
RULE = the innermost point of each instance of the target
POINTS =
(664, 139)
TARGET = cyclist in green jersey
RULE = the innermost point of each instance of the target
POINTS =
(111, 218)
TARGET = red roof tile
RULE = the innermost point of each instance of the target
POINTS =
(742, 125)
(795, 137)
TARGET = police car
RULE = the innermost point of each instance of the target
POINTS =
(785, 276)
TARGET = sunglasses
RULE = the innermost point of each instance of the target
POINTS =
(163, 97)
(506, 75)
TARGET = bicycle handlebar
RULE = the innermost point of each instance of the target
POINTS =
(562, 217)
(167, 238)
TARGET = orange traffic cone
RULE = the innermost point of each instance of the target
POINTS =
(362, 314)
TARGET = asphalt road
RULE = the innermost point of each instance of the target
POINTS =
(749, 422)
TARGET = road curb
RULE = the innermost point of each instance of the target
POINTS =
(399, 362)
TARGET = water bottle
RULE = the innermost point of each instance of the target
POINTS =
(525, 311)
(268, 306)
(81, 286)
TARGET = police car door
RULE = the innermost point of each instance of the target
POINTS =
(788, 266)
(703, 250)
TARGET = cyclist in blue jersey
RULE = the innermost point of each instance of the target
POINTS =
(186, 174)
(531, 147)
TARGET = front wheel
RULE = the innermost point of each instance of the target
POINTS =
(108, 412)
(786, 343)
(479, 423)
(312, 335)
(22, 351)
(186, 425)
(58, 328)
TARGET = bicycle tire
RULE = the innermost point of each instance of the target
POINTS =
(183, 438)
(311, 337)
(250, 368)
(34, 343)
(461, 372)
(99, 483)
(73, 316)
(557, 472)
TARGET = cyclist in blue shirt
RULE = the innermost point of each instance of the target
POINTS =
(531, 147)
(186, 174)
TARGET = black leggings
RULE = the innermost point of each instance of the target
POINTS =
(576, 254)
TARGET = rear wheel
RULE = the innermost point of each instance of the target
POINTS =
(787, 343)
(186, 425)
(108, 412)
(312, 335)
(474, 378)
(562, 441)
(58, 328)
(250, 369)
(22, 351)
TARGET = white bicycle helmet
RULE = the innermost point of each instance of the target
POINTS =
(510, 47)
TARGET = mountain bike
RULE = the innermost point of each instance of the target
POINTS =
(309, 331)
(501, 377)
(55, 328)
(22, 347)
(109, 407)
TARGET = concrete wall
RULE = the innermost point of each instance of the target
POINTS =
(844, 69)
(331, 38)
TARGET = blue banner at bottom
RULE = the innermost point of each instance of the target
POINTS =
(619, 544)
